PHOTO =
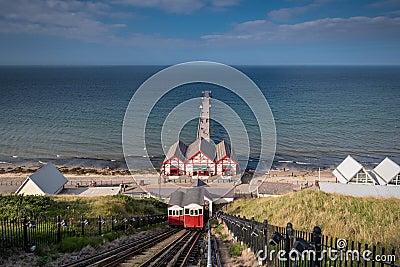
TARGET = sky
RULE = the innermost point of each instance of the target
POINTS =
(164, 32)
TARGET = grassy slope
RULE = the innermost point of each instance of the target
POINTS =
(368, 220)
(73, 207)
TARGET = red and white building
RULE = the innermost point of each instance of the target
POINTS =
(226, 162)
(174, 162)
(202, 158)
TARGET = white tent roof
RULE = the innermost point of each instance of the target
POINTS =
(386, 171)
(347, 169)
(48, 179)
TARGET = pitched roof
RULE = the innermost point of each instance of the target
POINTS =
(347, 169)
(221, 192)
(164, 191)
(269, 188)
(361, 190)
(194, 195)
(198, 183)
(201, 145)
(178, 149)
(386, 171)
(48, 178)
(176, 198)
(224, 149)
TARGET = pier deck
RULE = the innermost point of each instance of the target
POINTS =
(204, 121)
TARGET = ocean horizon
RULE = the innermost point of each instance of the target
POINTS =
(73, 115)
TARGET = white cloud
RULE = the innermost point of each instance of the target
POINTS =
(70, 19)
(322, 30)
(289, 13)
(286, 14)
(385, 4)
(178, 6)
(224, 3)
(75, 20)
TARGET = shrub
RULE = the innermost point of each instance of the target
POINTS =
(73, 244)
(236, 250)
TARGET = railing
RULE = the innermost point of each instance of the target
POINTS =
(24, 233)
(286, 247)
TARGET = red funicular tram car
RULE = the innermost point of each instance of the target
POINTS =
(193, 208)
(175, 209)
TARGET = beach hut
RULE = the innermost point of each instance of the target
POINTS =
(351, 171)
(387, 172)
(48, 180)
(226, 162)
(174, 162)
(200, 158)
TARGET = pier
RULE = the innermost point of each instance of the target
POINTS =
(203, 130)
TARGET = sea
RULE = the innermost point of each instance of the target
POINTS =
(73, 115)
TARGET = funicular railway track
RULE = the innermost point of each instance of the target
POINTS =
(116, 256)
(179, 253)
(183, 250)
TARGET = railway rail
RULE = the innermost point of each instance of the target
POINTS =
(116, 256)
(179, 253)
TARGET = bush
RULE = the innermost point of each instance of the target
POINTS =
(17, 206)
(111, 236)
(236, 250)
(73, 244)
(42, 261)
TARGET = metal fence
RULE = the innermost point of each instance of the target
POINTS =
(287, 247)
(24, 233)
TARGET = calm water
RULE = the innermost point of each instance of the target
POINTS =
(74, 115)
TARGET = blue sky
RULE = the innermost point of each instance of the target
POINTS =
(137, 32)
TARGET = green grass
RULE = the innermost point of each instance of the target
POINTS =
(367, 220)
(72, 244)
(15, 206)
(236, 250)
